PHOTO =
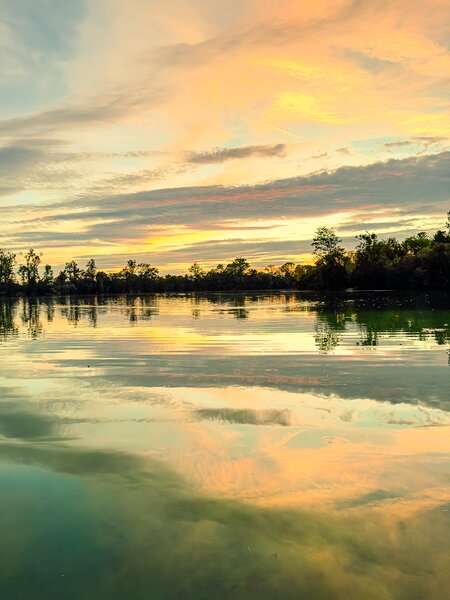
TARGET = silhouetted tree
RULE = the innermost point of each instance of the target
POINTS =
(331, 271)
(415, 244)
(29, 272)
(442, 236)
(90, 270)
(7, 264)
(419, 262)
(73, 272)
(370, 261)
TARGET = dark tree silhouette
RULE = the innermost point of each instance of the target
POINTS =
(420, 262)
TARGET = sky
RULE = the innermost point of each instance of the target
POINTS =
(202, 130)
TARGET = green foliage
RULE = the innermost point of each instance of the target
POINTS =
(419, 262)
(331, 265)
(416, 244)
(442, 236)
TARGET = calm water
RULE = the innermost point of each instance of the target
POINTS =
(265, 446)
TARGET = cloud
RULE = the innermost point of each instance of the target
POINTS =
(218, 155)
(33, 164)
(367, 62)
(319, 156)
(20, 423)
(395, 184)
(209, 222)
(424, 141)
(119, 182)
(245, 416)
(98, 110)
(276, 27)
(344, 151)
(174, 166)
(167, 121)
(17, 156)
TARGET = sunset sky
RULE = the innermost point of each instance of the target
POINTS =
(202, 130)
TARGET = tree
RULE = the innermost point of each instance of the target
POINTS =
(29, 272)
(130, 268)
(102, 281)
(91, 270)
(72, 271)
(146, 272)
(233, 274)
(326, 242)
(47, 278)
(288, 269)
(376, 262)
(7, 264)
(272, 270)
(48, 274)
(196, 272)
(441, 236)
(285, 275)
(331, 269)
(367, 242)
(238, 267)
(129, 275)
(416, 243)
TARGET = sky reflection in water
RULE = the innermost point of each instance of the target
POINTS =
(263, 446)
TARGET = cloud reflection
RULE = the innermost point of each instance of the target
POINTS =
(183, 452)
(245, 416)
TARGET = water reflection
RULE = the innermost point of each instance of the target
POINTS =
(289, 342)
(8, 328)
(373, 316)
(239, 446)
(136, 530)
(31, 318)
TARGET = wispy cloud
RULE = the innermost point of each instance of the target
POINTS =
(138, 127)
(424, 141)
(218, 155)
(91, 111)
(201, 223)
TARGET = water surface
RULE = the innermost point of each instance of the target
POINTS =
(248, 446)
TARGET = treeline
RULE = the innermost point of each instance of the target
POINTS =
(420, 262)
(135, 278)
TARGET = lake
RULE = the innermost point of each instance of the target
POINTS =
(225, 446)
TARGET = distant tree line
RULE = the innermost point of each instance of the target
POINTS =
(420, 262)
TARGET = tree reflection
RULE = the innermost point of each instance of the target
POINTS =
(92, 315)
(370, 317)
(8, 327)
(326, 338)
(140, 308)
(49, 304)
(331, 316)
(30, 317)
